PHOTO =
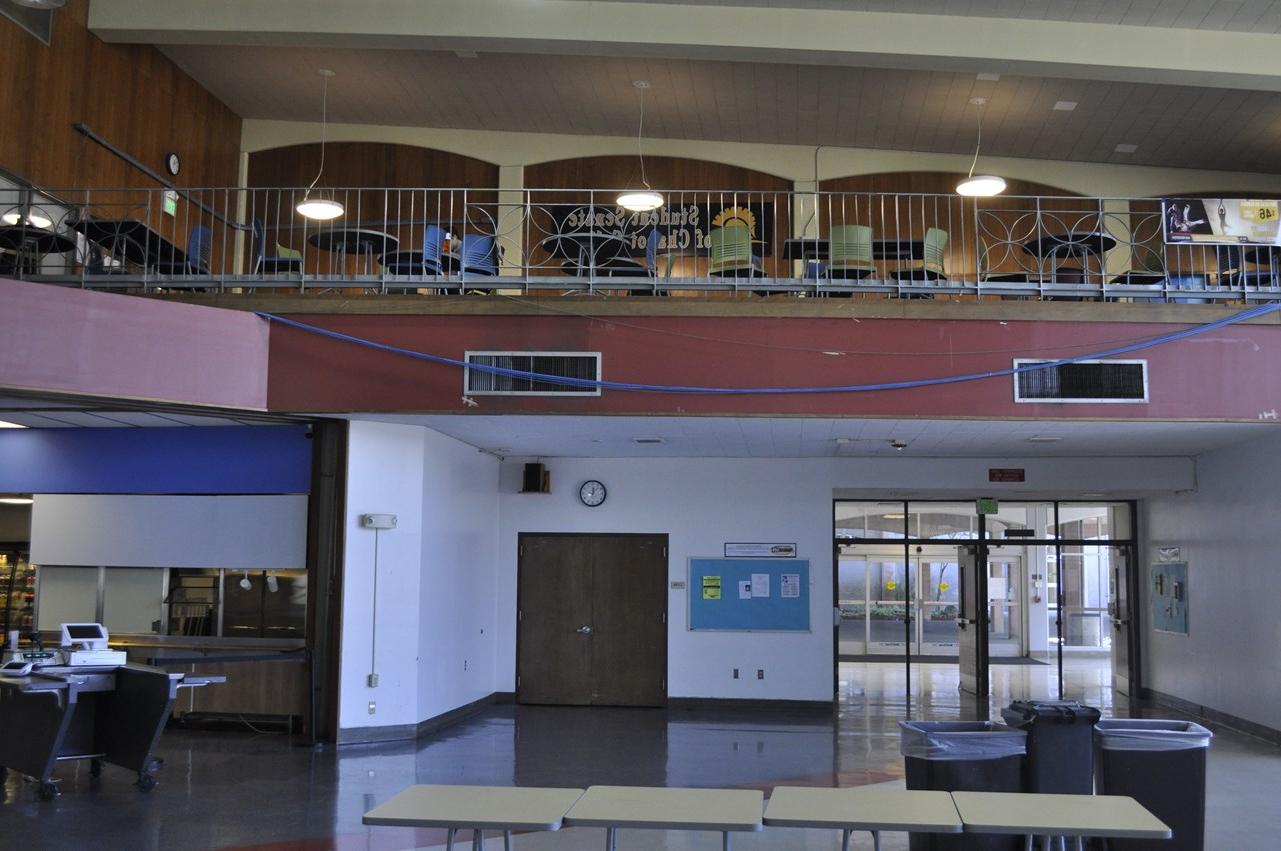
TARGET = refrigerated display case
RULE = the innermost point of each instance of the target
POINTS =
(17, 590)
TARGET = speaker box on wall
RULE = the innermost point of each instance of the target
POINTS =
(536, 480)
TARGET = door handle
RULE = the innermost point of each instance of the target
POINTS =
(584, 630)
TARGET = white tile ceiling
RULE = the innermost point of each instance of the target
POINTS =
(767, 437)
(1225, 15)
(914, 110)
(46, 413)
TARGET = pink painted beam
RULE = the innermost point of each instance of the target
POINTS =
(62, 340)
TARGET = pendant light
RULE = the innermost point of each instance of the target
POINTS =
(323, 206)
(980, 185)
(641, 200)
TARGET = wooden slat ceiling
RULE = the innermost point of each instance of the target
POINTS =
(1224, 15)
(1175, 126)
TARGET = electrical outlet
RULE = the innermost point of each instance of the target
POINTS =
(373, 707)
(736, 673)
(464, 664)
(760, 673)
(372, 680)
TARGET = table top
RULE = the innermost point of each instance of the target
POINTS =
(1112, 816)
(140, 243)
(196, 656)
(479, 807)
(861, 808)
(814, 248)
(1069, 244)
(353, 240)
(568, 246)
(668, 808)
(1262, 255)
(20, 237)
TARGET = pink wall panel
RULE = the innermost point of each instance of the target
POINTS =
(1231, 373)
(74, 341)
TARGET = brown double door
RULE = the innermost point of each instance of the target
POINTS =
(592, 620)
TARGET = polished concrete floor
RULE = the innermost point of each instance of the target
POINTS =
(247, 790)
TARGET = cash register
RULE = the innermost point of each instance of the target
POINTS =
(85, 644)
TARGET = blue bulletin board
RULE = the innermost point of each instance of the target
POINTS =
(726, 594)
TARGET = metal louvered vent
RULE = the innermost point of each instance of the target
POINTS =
(482, 382)
(1086, 381)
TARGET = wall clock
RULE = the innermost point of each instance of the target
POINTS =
(592, 493)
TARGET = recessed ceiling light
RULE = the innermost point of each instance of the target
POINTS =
(1064, 105)
(16, 500)
(1044, 438)
(647, 440)
(6, 424)
(841, 441)
(978, 101)
(987, 77)
(465, 54)
(1126, 148)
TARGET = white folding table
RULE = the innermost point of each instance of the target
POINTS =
(1078, 816)
(614, 807)
(476, 808)
(861, 808)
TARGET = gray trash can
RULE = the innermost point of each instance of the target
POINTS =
(1161, 764)
(1060, 734)
(963, 756)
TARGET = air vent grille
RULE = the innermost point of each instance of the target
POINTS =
(1086, 381)
(579, 365)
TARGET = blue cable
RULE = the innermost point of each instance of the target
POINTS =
(589, 383)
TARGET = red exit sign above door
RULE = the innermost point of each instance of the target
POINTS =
(1006, 474)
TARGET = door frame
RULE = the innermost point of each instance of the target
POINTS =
(666, 596)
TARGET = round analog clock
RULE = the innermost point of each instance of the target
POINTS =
(172, 163)
(592, 493)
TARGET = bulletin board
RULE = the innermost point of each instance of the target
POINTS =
(1170, 597)
(749, 594)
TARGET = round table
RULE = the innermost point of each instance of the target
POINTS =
(365, 242)
(1066, 246)
(584, 247)
(31, 244)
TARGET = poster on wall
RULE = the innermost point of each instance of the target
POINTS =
(759, 550)
(760, 595)
(1170, 597)
(682, 227)
(1222, 221)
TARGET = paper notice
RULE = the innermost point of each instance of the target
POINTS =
(745, 590)
(996, 588)
(760, 584)
(791, 585)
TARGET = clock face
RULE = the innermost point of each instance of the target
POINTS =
(173, 163)
(592, 493)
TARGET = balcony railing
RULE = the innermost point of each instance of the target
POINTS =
(559, 241)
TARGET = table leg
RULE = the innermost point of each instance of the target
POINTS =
(507, 840)
(845, 839)
(478, 840)
(725, 841)
(449, 839)
(876, 840)
(1028, 843)
(611, 837)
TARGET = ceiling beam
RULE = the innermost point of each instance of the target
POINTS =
(1238, 60)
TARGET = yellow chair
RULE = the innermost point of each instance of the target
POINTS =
(731, 254)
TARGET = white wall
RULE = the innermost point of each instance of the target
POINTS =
(436, 576)
(170, 531)
(1231, 658)
(703, 503)
(456, 602)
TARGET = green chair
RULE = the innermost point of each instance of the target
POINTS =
(931, 268)
(731, 253)
(849, 252)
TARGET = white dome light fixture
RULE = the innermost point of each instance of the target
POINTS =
(982, 185)
(640, 200)
(322, 207)
(41, 4)
(30, 219)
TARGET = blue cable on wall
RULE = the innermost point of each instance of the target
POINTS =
(1242, 316)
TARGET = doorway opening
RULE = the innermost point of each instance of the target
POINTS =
(1035, 583)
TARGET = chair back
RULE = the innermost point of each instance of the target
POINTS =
(283, 253)
(199, 248)
(850, 247)
(651, 250)
(433, 240)
(260, 241)
(935, 248)
(479, 254)
(731, 247)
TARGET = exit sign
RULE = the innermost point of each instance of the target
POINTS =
(1006, 474)
(987, 505)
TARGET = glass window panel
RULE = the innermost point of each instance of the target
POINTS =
(943, 582)
(274, 605)
(1037, 516)
(132, 600)
(852, 580)
(193, 601)
(885, 623)
(66, 595)
(1094, 522)
(869, 519)
(945, 519)
(888, 580)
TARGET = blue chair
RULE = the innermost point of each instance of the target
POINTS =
(280, 263)
(425, 262)
(478, 255)
(199, 249)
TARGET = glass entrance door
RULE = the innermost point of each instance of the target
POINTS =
(877, 587)
(1005, 604)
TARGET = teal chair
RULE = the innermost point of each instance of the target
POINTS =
(849, 254)
(931, 268)
(731, 254)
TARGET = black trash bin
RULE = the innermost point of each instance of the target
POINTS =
(1161, 764)
(963, 756)
(1060, 736)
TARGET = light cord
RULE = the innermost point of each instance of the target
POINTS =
(324, 123)
(640, 134)
(978, 145)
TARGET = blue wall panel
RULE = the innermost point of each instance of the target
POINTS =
(243, 460)
(730, 612)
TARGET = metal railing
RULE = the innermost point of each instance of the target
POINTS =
(550, 241)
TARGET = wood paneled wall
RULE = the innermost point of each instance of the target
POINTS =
(131, 95)
(396, 189)
(905, 204)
